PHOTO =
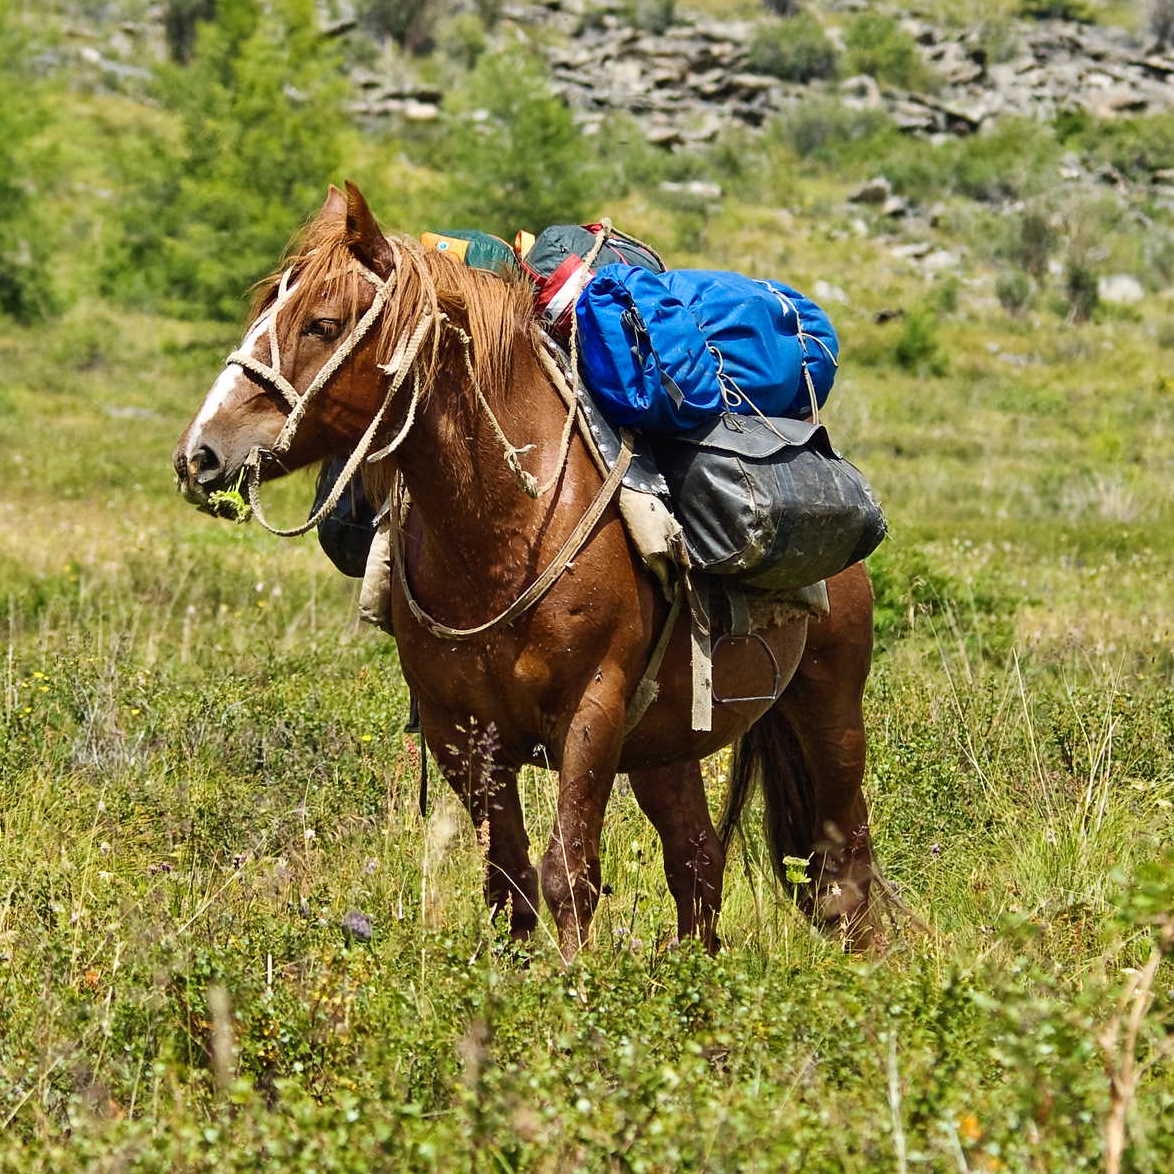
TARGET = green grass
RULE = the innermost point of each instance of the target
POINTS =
(202, 772)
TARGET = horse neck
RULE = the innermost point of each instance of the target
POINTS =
(455, 469)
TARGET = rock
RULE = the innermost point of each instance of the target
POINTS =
(356, 926)
(912, 251)
(1120, 289)
(895, 207)
(691, 82)
(940, 261)
(824, 291)
(872, 191)
(1109, 103)
(862, 90)
(698, 189)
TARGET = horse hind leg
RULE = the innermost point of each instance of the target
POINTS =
(673, 798)
(808, 753)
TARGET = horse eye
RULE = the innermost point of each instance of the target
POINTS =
(324, 328)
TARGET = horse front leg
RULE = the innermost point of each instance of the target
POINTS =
(570, 867)
(673, 798)
(489, 791)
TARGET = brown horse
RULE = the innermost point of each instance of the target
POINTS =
(360, 336)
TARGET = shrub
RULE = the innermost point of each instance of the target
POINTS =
(260, 130)
(1161, 22)
(827, 130)
(1080, 290)
(654, 16)
(877, 45)
(918, 349)
(795, 49)
(1014, 291)
(1033, 241)
(462, 38)
(407, 22)
(1014, 159)
(1137, 147)
(515, 157)
(180, 21)
(1056, 10)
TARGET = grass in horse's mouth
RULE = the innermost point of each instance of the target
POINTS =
(231, 503)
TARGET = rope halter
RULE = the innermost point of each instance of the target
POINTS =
(270, 376)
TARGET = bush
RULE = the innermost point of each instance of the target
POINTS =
(877, 45)
(1080, 290)
(1056, 10)
(261, 128)
(462, 38)
(1033, 241)
(795, 49)
(515, 157)
(181, 18)
(1014, 159)
(1014, 292)
(1136, 147)
(654, 16)
(407, 22)
(918, 349)
(827, 130)
(1161, 22)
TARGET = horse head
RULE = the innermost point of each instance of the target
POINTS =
(305, 379)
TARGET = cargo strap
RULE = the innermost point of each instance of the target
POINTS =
(700, 651)
(648, 689)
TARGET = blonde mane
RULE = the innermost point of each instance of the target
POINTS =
(494, 311)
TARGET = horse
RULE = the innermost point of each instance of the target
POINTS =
(360, 339)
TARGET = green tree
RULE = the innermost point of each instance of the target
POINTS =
(26, 290)
(515, 157)
(261, 129)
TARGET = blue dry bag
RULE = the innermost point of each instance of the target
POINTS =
(667, 352)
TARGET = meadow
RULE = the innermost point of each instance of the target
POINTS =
(203, 770)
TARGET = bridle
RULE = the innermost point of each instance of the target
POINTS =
(269, 375)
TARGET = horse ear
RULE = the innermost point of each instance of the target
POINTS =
(334, 207)
(363, 233)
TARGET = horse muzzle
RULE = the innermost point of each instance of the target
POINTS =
(199, 475)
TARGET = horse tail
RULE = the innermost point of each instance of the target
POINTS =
(769, 756)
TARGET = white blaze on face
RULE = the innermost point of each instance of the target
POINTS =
(228, 379)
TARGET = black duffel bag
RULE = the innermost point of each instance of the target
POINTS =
(345, 533)
(770, 501)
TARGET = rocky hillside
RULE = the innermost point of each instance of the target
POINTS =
(690, 81)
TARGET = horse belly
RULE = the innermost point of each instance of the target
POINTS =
(741, 669)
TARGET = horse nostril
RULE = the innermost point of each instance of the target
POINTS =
(205, 465)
